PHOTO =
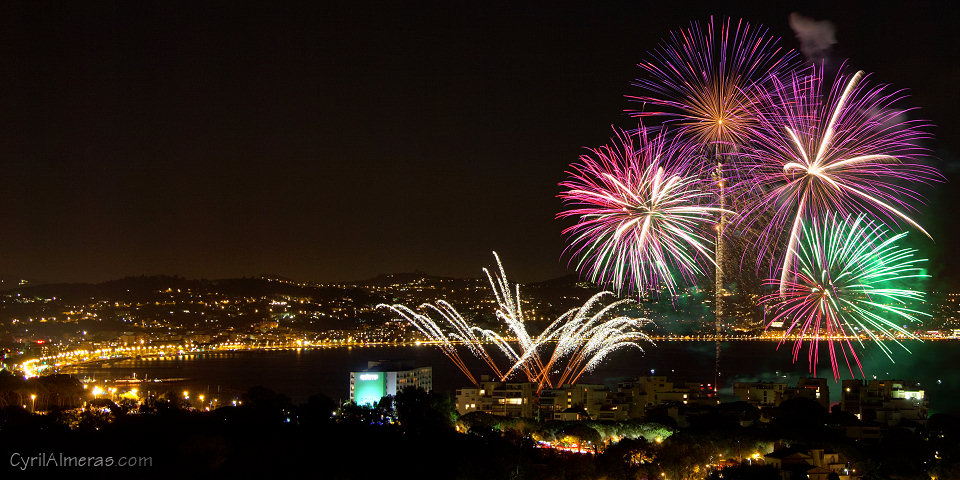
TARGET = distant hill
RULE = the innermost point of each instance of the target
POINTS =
(8, 282)
(405, 277)
(112, 288)
(566, 281)
(141, 287)
(147, 287)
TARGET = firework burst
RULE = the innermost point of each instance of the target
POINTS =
(846, 286)
(706, 78)
(581, 338)
(643, 213)
(846, 152)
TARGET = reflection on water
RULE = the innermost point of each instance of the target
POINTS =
(300, 374)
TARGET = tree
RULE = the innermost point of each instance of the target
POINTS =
(683, 455)
(317, 411)
(581, 434)
(621, 459)
(746, 472)
(419, 411)
(469, 421)
(353, 414)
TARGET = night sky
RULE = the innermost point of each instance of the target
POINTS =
(333, 142)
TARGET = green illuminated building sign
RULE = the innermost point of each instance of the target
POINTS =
(369, 387)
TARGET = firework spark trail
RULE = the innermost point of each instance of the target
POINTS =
(705, 78)
(585, 338)
(643, 212)
(846, 282)
(546, 337)
(847, 152)
(510, 312)
(433, 332)
(466, 334)
(561, 336)
(601, 341)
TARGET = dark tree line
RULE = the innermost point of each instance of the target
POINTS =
(420, 434)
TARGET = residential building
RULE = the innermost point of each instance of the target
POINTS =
(508, 399)
(760, 394)
(380, 379)
(887, 402)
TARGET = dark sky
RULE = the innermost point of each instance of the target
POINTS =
(333, 141)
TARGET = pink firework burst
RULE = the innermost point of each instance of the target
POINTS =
(644, 212)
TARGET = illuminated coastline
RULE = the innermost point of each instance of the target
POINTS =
(55, 363)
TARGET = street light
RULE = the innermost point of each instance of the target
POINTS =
(33, 403)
